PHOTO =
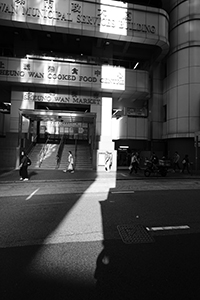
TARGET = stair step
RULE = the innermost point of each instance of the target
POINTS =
(83, 160)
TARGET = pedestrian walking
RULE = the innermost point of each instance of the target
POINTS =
(70, 167)
(134, 163)
(176, 159)
(23, 167)
(186, 164)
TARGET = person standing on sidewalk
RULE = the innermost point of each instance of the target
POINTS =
(134, 163)
(186, 164)
(23, 167)
(176, 159)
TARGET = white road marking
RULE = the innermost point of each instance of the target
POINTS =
(123, 192)
(31, 195)
(168, 228)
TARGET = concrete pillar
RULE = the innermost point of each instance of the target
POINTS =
(106, 155)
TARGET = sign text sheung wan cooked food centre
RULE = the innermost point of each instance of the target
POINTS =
(25, 70)
(117, 19)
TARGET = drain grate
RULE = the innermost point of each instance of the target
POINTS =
(134, 234)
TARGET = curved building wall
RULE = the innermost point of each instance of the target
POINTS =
(182, 85)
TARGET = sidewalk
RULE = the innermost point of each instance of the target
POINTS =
(84, 175)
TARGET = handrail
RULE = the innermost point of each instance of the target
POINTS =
(75, 154)
(60, 150)
(30, 147)
(91, 153)
(43, 152)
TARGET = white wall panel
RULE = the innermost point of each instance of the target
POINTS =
(172, 126)
(195, 74)
(194, 56)
(183, 58)
(183, 76)
(183, 125)
(183, 107)
(172, 104)
(183, 34)
(183, 10)
(194, 96)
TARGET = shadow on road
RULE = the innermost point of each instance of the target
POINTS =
(32, 173)
(50, 277)
(166, 268)
(52, 271)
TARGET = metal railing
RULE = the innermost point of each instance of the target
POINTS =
(30, 147)
(43, 152)
(75, 152)
(60, 150)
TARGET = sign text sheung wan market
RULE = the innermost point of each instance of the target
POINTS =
(73, 98)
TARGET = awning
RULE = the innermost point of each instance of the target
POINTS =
(59, 116)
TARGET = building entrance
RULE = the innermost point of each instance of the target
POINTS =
(48, 135)
(56, 129)
(37, 125)
(72, 121)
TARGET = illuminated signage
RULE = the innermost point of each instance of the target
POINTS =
(67, 74)
(109, 17)
(112, 76)
(58, 98)
(137, 112)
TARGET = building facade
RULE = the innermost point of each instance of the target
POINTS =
(121, 76)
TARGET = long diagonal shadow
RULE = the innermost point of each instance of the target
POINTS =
(48, 268)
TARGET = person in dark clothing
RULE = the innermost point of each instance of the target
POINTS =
(154, 159)
(134, 163)
(176, 159)
(186, 164)
(23, 168)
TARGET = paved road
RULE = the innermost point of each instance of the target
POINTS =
(71, 240)
(94, 186)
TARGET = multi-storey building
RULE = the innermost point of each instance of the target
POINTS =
(117, 75)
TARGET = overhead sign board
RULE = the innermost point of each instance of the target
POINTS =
(58, 73)
(60, 98)
(105, 16)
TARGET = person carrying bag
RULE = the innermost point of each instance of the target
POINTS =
(23, 167)
(70, 167)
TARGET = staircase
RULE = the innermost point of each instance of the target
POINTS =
(83, 158)
(49, 160)
(65, 153)
(34, 155)
(82, 161)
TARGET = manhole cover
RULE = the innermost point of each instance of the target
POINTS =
(134, 234)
